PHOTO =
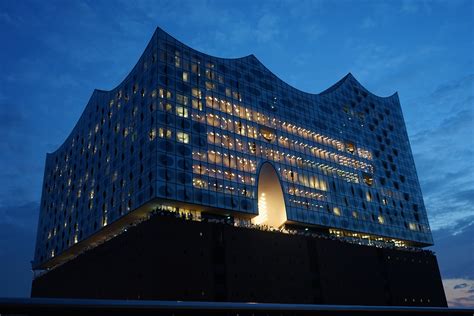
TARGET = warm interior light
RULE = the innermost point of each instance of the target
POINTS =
(271, 204)
(268, 134)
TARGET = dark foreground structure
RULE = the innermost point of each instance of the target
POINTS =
(170, 258)
(42, 306)
(208, 179)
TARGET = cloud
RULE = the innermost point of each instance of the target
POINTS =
(445, 89)
(454, 247)
(373, 61)
(455, 123)
(458, 292)
(442, 141)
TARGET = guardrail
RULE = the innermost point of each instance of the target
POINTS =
(59, 306)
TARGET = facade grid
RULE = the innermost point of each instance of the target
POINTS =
(190, 130)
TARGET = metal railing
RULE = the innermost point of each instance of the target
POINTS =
(59, 306)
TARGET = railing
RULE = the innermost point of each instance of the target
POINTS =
(54, 306)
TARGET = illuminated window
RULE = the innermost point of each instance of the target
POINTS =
(152, 134)
(214, 157)
(182, 111)
(195, 68)
(240, 129)
(197, 104)
(182, 137)
(252, 147)
(229, 175)
(413, 226)
(177, 61)
(164, 133)
(355, 214)
(185, 76)
(165, 93)
(182, 99)
(350, 147)
(336, 210)
(210, 85)
(380, 219)
(210, 74)
(198, 183)
(166, 107)
(196, 93)
(268, 134)
(368, 179)
(368, 196)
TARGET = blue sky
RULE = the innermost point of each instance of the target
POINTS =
(55, 53)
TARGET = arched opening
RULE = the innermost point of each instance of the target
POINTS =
(271, 203)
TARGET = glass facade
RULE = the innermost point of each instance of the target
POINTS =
(186, 127)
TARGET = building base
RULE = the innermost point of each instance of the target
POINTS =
(168, 258)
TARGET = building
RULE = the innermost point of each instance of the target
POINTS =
(217, 140)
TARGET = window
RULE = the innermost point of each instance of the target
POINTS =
(236, 95)
(181, 111)
(152, 134)
(166, 93)
(336, 210)
(195, 68)
(181, 99)
(197, 104)
(252, 147)
(350, 147)
(196, 93)
(166, 107)
(380, 219)
(210, 85)
(177, 61)
(368, 179)
(412, 226)
(368, 196)
(185, 76)
(164, 133)
(210, 74)
(267, 133)
(198, 183)
(182, 137)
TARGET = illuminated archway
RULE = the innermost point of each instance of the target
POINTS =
(271, 203)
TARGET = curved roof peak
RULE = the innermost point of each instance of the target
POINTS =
(350, 80)
(347, 79)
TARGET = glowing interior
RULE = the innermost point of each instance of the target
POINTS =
(271, 204)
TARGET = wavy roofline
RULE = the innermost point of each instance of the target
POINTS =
(335, 87)
(349, 76)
